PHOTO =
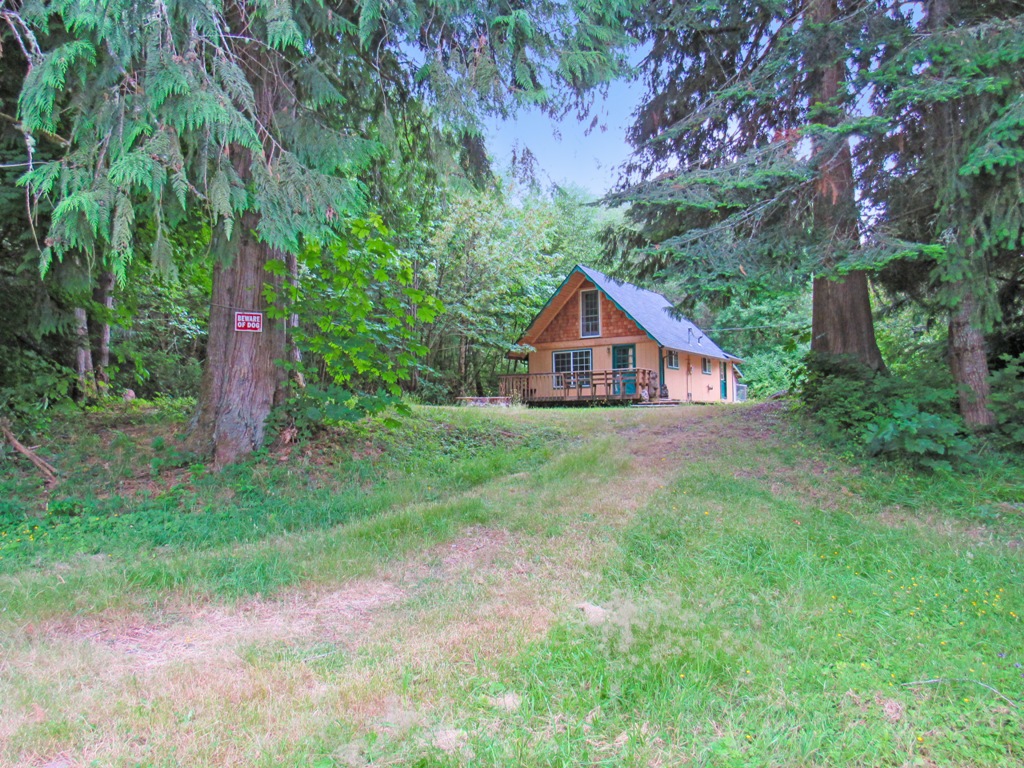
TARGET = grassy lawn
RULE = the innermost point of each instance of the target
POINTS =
(503, 587)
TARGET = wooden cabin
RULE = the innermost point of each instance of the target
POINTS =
(598, 339)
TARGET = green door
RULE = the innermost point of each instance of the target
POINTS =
(724, 368)
(624, 359)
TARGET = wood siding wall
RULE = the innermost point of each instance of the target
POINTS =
(690, 383)
(687, 383)
(566, 324)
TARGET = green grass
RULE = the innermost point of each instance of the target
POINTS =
(367, 471)
(208, 535)
(792, 635)
(765, 604)
(750, 627)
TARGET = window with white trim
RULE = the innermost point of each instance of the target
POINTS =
(572, 368)
(705, 365)
(672, 359)
(590, 314)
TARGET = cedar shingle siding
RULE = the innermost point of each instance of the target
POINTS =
(566, 325)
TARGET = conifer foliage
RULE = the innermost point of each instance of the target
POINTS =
(743, 171)
(945, 172)
(252, 115)
(830, 140)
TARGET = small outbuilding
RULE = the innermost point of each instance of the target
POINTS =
(599, 339)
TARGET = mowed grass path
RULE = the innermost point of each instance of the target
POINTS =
(677, 586)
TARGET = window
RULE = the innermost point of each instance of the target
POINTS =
(590, 314)
(572, 368)
(672, 359)
(705, 365)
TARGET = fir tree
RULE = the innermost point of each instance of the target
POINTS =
(944, 171)
(743, 170)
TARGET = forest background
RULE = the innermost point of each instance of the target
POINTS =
(839, 178)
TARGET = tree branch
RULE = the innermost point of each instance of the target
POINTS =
(48, 471)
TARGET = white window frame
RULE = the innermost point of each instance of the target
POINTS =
(672, 354)
(705, 366)
(573, 377)
(583, 327)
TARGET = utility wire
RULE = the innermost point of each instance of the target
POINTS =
(760, 327)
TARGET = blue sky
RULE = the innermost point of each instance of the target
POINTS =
(565, 154)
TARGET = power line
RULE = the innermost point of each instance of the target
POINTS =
(760, 327)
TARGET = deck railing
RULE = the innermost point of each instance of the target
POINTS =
(621, 384)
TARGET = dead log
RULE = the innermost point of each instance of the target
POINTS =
(48, 471)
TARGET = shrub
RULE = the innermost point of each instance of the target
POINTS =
(876, 413)
(31, 385)
(1008, 399)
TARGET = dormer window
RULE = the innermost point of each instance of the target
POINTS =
(590, 314)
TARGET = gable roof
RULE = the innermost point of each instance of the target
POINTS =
(651, 311)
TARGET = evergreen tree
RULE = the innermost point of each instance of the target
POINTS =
(253, 113)
(944, 171)
(743, 166)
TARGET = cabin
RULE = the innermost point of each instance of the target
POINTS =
(601, 340)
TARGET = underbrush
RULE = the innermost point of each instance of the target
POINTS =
(911, 419)
(128, 486)
(876, 414)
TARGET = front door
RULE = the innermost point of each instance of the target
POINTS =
(624, 359)
(724, 368)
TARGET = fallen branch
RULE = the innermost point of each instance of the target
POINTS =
(937, 680)
(45, 467)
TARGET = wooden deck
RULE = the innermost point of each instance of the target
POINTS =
(628, 385)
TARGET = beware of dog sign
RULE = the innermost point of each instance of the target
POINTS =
(249, 321)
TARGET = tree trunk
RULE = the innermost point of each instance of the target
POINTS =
(841, 322)
(294, 353)
(968, 358)
(968, 363)
(242, 381)
(104, 296)
(463, 350)
(83, 355)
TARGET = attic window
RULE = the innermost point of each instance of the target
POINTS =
(590, 314)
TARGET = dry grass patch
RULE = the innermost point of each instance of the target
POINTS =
(187, 632)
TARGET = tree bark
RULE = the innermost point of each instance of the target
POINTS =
(242, 381)
(294, 353)
(463, 350)
(104, 296)
(968, 355)
(83, 355)
(968, 362)
(841, 321)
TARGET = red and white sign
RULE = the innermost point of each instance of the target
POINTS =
(249, 321)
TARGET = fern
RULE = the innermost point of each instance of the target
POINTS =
(163, 254)
(282, 31)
